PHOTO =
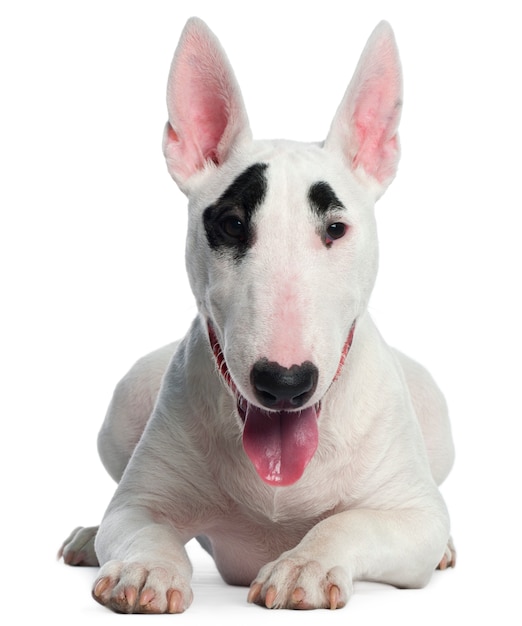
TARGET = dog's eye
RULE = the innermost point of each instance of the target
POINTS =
(335, 231)
(233, 227)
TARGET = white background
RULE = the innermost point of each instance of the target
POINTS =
(92, 262)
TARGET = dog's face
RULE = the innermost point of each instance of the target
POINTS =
(282, 245)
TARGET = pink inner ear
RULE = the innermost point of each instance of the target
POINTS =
(204, 100)
(375, 124)
(197, 113)
(206, 112)
(171, 135)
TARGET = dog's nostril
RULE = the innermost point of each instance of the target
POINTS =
(267, 399)
(301, 398)
(281, 387)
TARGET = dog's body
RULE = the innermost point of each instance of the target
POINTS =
(283, 432)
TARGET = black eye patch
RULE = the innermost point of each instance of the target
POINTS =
(227, 222)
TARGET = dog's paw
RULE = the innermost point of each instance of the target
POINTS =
(295, 583)
(449, 558)
(127, 587)
(78, 548)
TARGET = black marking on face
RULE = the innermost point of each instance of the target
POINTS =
(228, 221)
(327, 206)
(323, 199)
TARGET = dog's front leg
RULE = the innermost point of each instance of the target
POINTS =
(145, 566)
(398, 547)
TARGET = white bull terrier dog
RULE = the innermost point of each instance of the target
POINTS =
(300, 449)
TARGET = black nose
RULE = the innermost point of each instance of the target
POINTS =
(279, 387)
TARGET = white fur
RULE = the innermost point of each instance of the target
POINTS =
(367, 506)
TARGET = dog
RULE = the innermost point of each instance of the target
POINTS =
(282, 432)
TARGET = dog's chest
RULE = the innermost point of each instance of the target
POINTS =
(326, 487)
(242, 544)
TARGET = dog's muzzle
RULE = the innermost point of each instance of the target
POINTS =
(279, 437)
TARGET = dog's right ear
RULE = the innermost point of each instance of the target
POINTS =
(207, 117)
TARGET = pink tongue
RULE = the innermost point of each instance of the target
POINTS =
(280, 444)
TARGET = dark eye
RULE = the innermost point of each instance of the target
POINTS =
(335, 231)
(233, 227)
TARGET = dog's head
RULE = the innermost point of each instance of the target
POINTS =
(282, 246)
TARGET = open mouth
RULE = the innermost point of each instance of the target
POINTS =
(280, 444)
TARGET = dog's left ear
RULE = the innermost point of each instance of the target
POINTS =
(207, 117)
(364, 128)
